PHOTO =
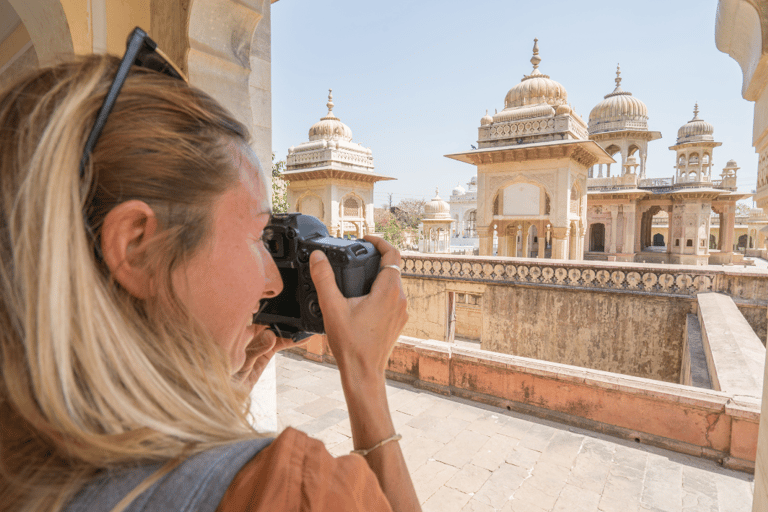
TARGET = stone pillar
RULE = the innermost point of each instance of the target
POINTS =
(726, 231)
(600, 172)
(668, 240)
(486, 240)
(560, 243)
(526, 249)
(614, 227)
(503, 247)
(542, 234)
(629, 228)
(643, 156)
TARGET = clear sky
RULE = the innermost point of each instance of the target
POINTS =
(412, 79)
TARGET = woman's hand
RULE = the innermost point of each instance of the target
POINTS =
(362, 330)
(260, 350)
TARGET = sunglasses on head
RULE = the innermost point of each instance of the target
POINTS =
(141, 51)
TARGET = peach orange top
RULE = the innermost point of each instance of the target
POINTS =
(296, 473)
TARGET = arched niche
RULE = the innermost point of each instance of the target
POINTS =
(46, 23)
(311, 204)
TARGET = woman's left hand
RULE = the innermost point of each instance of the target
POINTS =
(260, 350)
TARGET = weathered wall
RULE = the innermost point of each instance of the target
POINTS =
(630, 334)
(619, 317)
(757, 319)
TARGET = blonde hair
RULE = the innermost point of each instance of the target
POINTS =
(91, 377)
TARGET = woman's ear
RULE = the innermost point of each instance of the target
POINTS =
(125, 237)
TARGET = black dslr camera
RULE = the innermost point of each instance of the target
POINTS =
(291, 238)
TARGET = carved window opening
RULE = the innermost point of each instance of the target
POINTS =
(472, 224)
(352, 208)
(547, 204)
(689, 243)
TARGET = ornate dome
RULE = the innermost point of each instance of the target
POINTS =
(330, 127)
(437, 209)
(695, 130)
(618, 107)
(732, 164)
(459, 191)
(536, 88)
(486, 119)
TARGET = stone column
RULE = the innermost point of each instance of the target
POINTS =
(503, 248)
(573, 248)
(668, 241)
(526, 227)
(614, 226)
(629, 228)
(486, 240)
(542, 234)
(726, 231)
(643, 156)
(560, 243)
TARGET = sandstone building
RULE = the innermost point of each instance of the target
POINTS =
(549, 186)
(331, 177)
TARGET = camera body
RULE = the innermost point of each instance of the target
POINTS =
(290, 239)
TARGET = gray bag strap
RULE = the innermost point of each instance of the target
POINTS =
(197, 484)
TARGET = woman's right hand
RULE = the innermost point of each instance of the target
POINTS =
(362, 330)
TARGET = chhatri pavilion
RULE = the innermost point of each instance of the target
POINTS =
(550, 185)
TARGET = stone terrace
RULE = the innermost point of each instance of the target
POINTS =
(466, 456)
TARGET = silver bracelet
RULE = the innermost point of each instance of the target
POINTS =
(395, 437)
(396, 267)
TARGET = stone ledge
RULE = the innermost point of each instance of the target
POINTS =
(698, 422)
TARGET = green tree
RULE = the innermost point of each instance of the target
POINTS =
(279, 187)
(392, 232)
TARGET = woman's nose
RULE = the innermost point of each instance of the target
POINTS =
(274, 283)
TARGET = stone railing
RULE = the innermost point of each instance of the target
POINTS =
(668, 280)
(656, 182)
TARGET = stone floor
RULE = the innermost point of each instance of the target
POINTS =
(465, 456)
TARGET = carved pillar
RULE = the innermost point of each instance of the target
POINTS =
(582, 237)
(600, 172)
(542, 234)
(643, 156)
(560, 243)
(486, 240)
(614, 227)
(526, 227)
(729, 218)
(668, 241)
(629, 228)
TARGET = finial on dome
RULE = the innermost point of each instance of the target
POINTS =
(618, 75)
(696, 110)
(330, 101)
(535, 59)
(437, 193)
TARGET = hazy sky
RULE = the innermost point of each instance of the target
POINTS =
(412, 79)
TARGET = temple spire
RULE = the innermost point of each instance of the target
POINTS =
(618, 76)
(330, 101)
(696, 110)
(535, 60)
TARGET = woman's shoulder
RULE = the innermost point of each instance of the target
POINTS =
(296, 472)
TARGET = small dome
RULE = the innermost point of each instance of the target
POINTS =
(618, 106)
(459, 191)
(486, 119)
(437, 209)
(330, 127)
(536, 88)
(732, 165)
(695, 130)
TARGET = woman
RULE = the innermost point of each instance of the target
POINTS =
(131, 266)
